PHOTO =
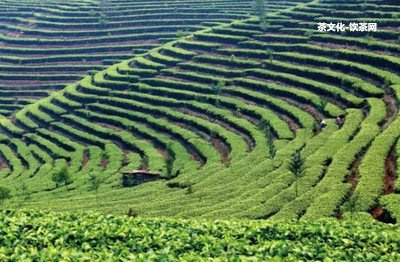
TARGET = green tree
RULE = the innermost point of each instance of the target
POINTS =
(5, 193)
(265, 127)
(296, 167)
(322, 105)
(103, 19)
(271, 147)
(217, 88)
(169, 162)
(232, 58)
(94, 184)
(24, 193)
(62, 177)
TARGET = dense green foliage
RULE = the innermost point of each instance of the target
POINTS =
(43, 236)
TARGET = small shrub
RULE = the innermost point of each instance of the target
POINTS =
(127, 181)
(62, 177)
(169, 163)
(217, 88)
(103, 19)
(265, 127)
(270, 54)
(237, 112)
(5, 193)
(94, 183)
(271, 147)
(321, 106)
(217, 103)
(131, 213)
(296, 167)
(181, 33)
(189, 190)
(24, 193)
(396, 15)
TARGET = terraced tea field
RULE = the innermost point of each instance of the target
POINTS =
(47, 44)
(209, 97)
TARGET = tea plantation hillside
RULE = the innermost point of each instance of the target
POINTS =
(218, 110)
(46, 44)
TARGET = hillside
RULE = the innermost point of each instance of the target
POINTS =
(207, 96)
(47, 44)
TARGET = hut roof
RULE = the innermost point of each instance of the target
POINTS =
(141, 172)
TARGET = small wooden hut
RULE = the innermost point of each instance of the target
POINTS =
(137, 177)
